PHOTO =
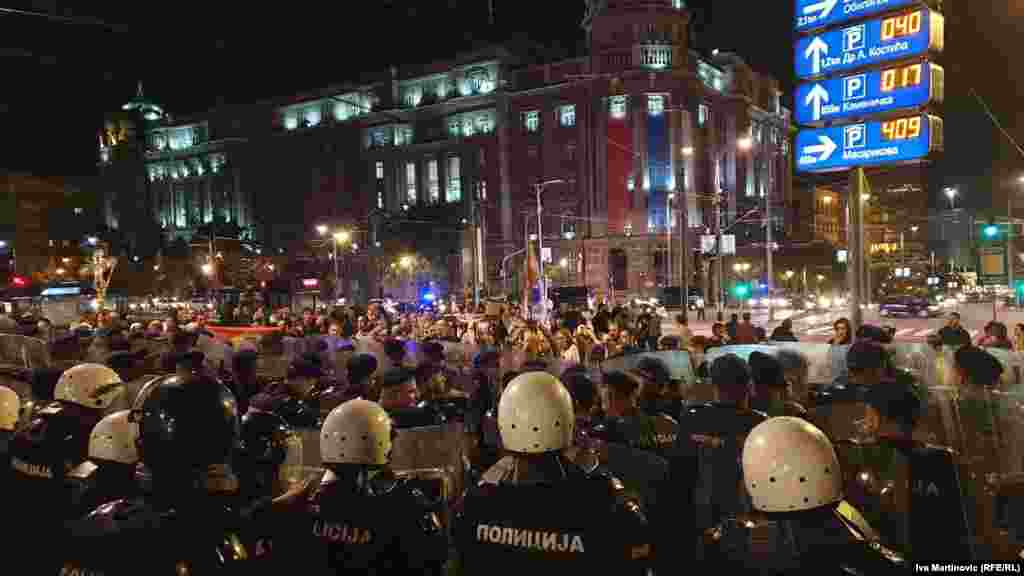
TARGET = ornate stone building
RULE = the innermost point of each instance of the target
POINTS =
(614, 134)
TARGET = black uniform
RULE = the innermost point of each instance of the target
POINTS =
(92, 484)
(384, 526)
(827, 540)
(580, 524)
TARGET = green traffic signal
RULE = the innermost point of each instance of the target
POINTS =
(991, 231)
(742, 291)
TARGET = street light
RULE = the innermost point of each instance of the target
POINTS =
(745, 143)
(539, 187)
(207, 269)
(321, 230)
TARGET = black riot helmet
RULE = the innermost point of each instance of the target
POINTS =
(188, 422)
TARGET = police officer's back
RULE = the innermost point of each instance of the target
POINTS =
(362, 518)
(110, 472)
(188, 431)
(269, 458)
(801, 524)
(537, 511)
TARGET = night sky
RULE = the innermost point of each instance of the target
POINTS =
(57, 77)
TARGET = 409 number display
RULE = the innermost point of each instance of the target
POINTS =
(902, 129)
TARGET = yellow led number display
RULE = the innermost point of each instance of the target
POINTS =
(900, 26)
(902, 129)
(898, 78)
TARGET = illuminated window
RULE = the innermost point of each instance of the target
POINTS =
(483, 189)
(380, 170)
(454, 192)
(568, 227)
(433, 182)
(617, 107)
(567, 115)
(484, 124)
(454, 128)
(78, 211)
(403, 135)
(468, 128)
(678, 4)
(410, 182)
(702, 114)
(655, 104)
(380, 199)
(531, 121)
(414, 96)
(631, 183)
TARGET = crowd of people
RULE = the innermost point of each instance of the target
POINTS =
(590, 468)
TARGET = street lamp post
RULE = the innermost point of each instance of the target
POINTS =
(684, 229)
(539, 187)
(337, 238)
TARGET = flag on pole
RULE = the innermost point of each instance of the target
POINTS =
(531, 276)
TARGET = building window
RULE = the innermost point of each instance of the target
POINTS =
(454, 193)
(78, 211)
(410, 182)
(454, 128)
(567, 116)
(484, 124)
(380, 199)
(483, 190)
(631, 183)
(380, 170)
(468, 129)
(702, 114)
(531, 121)
(617, 107)
(433, 182)
(655, 104)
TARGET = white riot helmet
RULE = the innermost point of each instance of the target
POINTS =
(789, 465)
(10, 409)
(113, 439)
(535, 414)
(356, 432)
(89, 385)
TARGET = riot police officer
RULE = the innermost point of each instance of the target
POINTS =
(535, 509)
(269, 458)
(771, 389)
(363, 518)
(804, 527)
(109, 473)
(186, 523)
(56, 440)
(10, 412)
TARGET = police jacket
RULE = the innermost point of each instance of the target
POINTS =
(144, 535)
(92, 484)
(581, 524)
(828, 540)
(386, 527)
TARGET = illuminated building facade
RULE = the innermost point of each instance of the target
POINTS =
(639, 118)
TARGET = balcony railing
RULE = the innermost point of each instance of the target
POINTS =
(656, 57)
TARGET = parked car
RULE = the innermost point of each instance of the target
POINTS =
(908, 306)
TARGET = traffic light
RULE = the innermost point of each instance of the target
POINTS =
(1020, 288)
(991, 231)
(741, 291)
(19, 281)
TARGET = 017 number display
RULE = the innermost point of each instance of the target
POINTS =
(902, 129)
(899, 78)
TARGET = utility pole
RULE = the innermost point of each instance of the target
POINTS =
(768, 245)
(719, 264)
(684, 228)
(856, 239)
(1010, 258)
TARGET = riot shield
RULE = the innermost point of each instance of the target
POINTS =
(679, 365)
(442, 447)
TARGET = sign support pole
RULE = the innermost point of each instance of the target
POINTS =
(719, 265)
(855, 236)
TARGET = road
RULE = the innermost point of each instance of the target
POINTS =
(817, 326)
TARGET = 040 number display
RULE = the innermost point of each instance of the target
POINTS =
(902, 129)
(902, 25)
(899, 78)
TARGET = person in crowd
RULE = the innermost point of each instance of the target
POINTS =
(796, 371)
(839, 343)
(109, 472)
(784, 332)
(731, 326)
(269, 457)
(685, 335)
(745, 333)
(771, 389)
(10, 414)
(585, 523)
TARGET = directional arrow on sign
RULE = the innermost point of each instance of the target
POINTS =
(815, 98)
(824, 150)
(815, 50)
(823, 8)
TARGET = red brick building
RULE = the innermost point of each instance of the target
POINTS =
(637, 120)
